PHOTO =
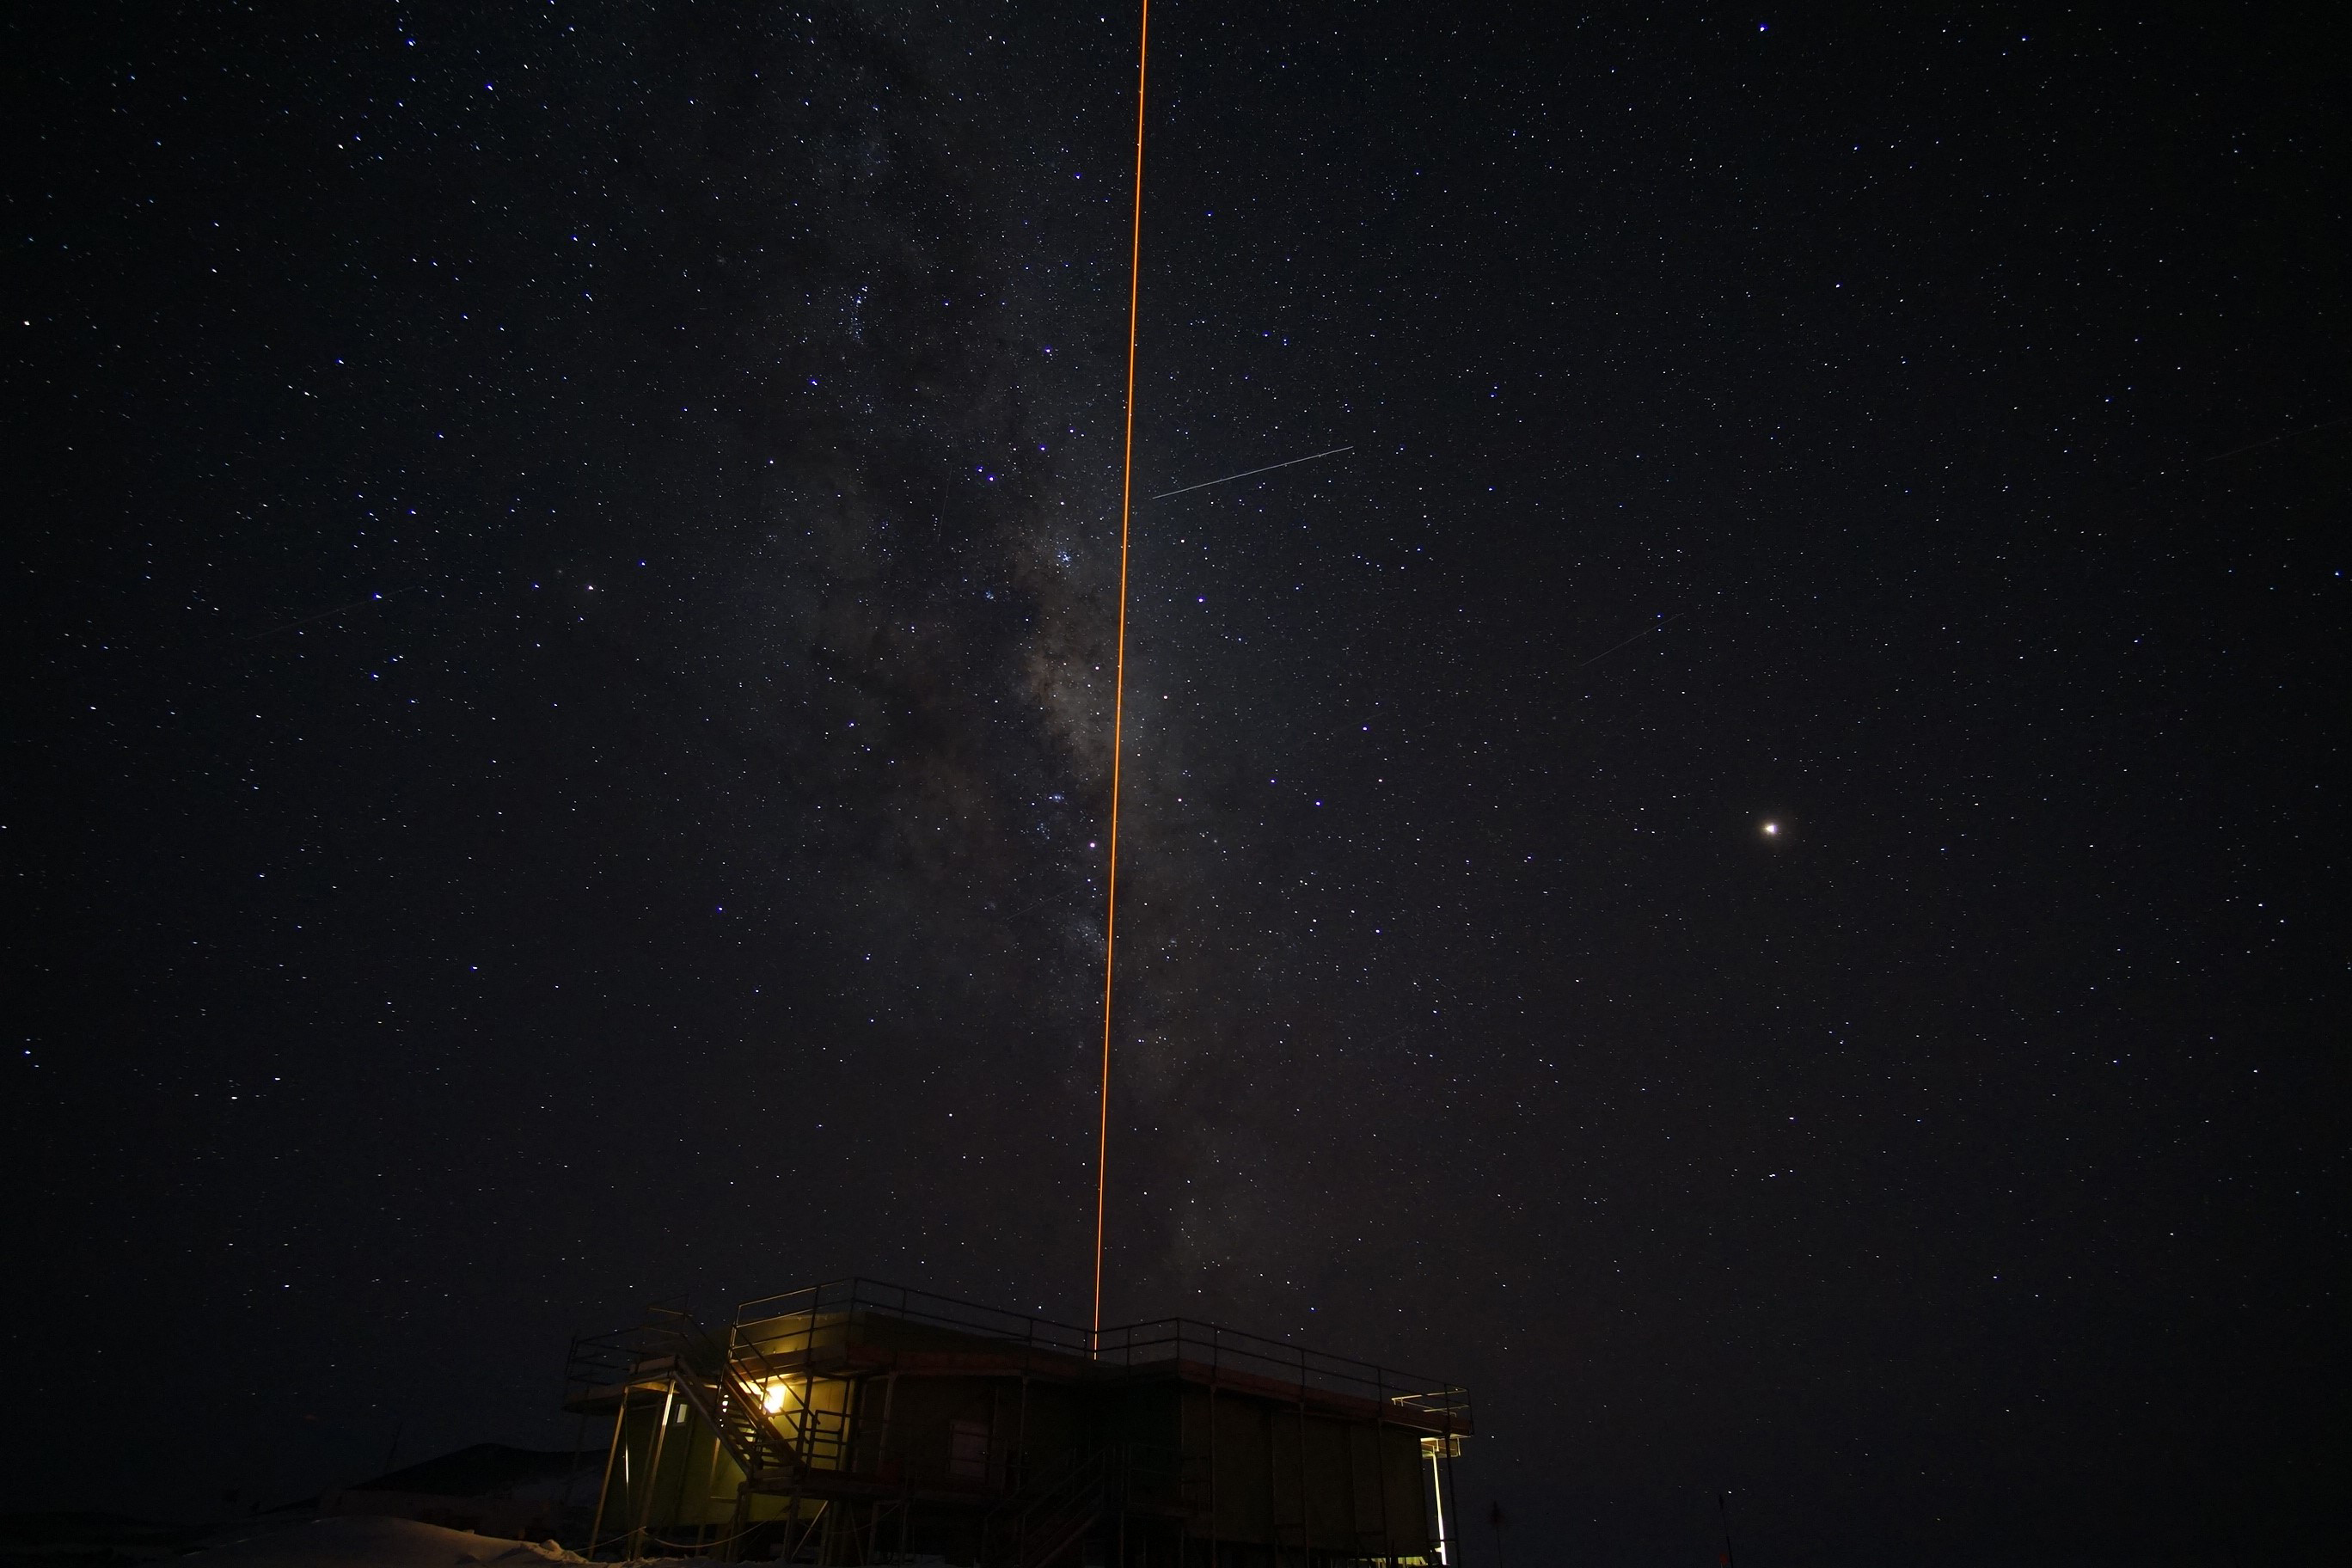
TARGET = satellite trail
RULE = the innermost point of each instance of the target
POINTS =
(1246, 473)
(322, 615)
(1629, 642)
(2267, 441)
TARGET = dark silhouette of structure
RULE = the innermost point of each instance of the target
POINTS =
(490, 1487)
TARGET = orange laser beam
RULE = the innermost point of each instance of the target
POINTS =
(1119, 671)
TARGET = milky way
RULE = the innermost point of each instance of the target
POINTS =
(1745, 871)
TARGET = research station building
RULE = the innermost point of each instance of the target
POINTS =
(856, 1422)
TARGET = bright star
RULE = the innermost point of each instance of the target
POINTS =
(1771, 830)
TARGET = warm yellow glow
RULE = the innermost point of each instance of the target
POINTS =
(772, 1398)
(1771, 830)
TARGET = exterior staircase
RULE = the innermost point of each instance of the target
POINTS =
(1042, 1525)
(721, 1383)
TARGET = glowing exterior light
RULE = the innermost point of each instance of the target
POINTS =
(1771, 830)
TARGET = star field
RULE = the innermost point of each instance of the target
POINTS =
(1747, 872)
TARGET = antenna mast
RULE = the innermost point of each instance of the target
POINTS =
(1118, 676)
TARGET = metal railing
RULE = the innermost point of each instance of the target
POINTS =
(1437, 1401)
(1046, 1519)
(724, 1383)
(776, 1336)
(1438, 1404)
(814, 1304)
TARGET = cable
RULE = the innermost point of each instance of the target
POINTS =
(1118, 675)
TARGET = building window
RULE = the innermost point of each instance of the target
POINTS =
(968, 1450)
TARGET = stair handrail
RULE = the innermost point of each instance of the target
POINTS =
(714, 1385)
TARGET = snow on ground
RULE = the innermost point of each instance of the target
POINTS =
(360, 1541)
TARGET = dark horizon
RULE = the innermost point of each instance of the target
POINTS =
(1748, 873)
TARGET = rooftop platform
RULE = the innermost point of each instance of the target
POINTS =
(858, 1326)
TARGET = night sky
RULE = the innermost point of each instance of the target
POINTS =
(562, 566)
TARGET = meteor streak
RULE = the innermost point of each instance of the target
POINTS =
(1629, 642)
(322, 615)
(2274, 440)
(1246, 473)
